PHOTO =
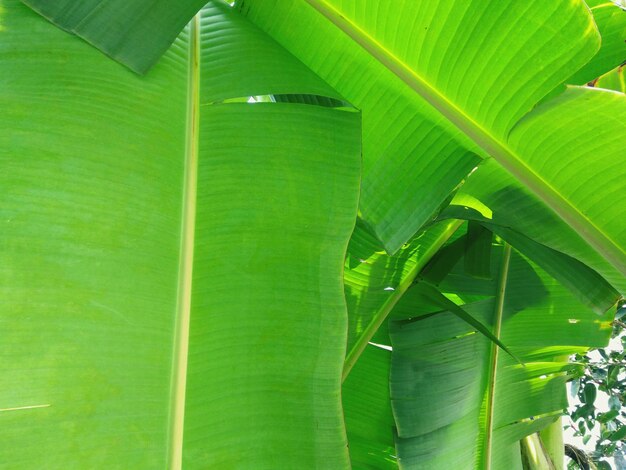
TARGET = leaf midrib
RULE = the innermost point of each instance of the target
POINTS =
(500, 151)
(185, 269)
(493, 365)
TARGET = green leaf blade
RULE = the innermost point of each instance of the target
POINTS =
(563, 153)
(92, 227)
(481, 106)
(436, 366)
(91, 204)
(134, 33)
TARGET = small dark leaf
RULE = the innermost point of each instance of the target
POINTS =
(611, 377)
(608, 416)
(604, 433)
(589, 393)
(619, 434)
(598, 374)
(582, 412)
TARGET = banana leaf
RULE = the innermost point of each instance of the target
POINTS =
(170, 254)
(452, 388)
(367, 408)
(374, 281)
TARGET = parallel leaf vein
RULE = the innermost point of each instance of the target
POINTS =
(499, 150)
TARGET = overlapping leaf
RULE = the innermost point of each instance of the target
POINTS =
(428, 61)
(584, 282)
(613, 80)
(367, 409)
(451, 389)
(136, 33)
(374, 281)
(611, 21)
(97, 251)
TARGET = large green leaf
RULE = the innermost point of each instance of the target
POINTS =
(561, 155)
(415, 57)
(166, 253)
(451, 388)
(440, 55)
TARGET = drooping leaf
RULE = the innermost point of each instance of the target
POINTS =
(135, 33)
(584, 283)
(411, 64)
(449, 385)
(610, 19)
(375, 281)
(432, 295)
(113, 188)
(496, 197)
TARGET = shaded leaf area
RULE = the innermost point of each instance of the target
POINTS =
(95, 160)
(493, 196)
(374, 280)
(134, 33)
(367, 408)
(411, 64)
(446, 376)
